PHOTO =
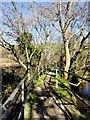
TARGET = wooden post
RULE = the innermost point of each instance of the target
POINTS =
(22, 92)
(21, 114)
(56, 79)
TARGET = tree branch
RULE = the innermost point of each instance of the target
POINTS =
(60, 14)
(79, 51)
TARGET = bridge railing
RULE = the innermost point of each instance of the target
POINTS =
(21, 86)
(6, 105)
(73, 74)
(54, 65)
(35, 76)
(75, 94)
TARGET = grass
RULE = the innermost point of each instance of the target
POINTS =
(62, 91)
(6, 62)
(60, 80)
(39, 80)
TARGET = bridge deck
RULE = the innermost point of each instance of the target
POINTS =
(45, 104)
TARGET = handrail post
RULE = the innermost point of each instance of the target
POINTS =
(23, 92)
(22, 112)
(56, 79)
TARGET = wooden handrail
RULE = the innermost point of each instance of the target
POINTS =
(28, 88)
(11, 97)
(80, 98)
(73, 74)
(4, 107)
(21, 84)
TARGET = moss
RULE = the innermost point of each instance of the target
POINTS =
(27, 110)
(28, 106)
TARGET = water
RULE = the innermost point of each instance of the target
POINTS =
(86, 90)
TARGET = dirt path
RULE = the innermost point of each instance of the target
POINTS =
(44, 105)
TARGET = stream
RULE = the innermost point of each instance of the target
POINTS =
(85, 91)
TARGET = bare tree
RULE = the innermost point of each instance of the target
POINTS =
(69, 19)
(16, 30)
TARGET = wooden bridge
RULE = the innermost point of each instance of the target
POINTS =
(48, 103)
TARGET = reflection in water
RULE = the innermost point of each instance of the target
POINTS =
(86, 90)
(85, 94)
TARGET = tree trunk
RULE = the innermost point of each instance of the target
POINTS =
(67, 58)
(28, 61)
